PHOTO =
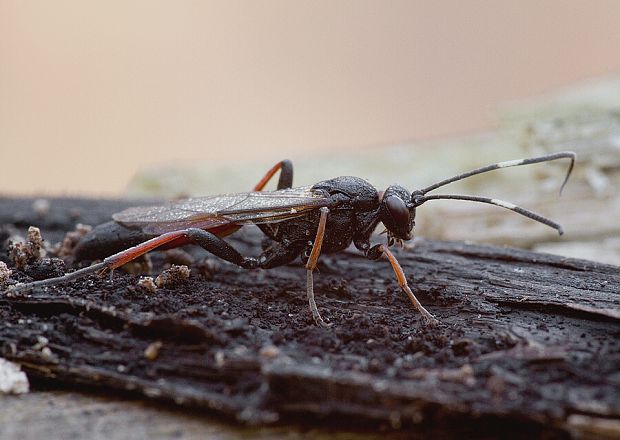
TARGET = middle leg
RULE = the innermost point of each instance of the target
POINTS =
(311, 265)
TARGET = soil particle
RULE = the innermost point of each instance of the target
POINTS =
(269, 352)
(516, 352)
(152, 351)
(29, 252)
(147, 284)
(5, 273)
(45, 268)
(139, 266)
(173, 276)
(65, 249)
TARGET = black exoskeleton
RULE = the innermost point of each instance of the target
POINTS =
(326, 217)
(355, 210)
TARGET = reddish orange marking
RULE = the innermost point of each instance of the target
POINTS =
(225, 230)
(318, 241)
(178, 238)
(260, 185)
(132, 253)
(402, 280)
(398, 270)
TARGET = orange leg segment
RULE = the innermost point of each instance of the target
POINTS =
(117, 260)
(223, 231)
(267, 177)
(402, 281)
(311, 264)
(167, 240)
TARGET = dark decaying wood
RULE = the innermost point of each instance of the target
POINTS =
(527, 342)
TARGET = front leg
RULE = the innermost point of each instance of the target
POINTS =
(366, 225)
(374, 253)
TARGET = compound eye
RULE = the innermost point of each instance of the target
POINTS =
(398, 210)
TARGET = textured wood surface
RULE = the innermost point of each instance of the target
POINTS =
(528, 343)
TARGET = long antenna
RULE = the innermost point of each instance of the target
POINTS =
(509, 163)
(419, 199)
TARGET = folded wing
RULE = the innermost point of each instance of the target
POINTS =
(227, 209)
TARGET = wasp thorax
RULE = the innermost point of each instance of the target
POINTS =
(397, 212)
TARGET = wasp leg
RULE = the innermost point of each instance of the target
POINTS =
(286, 175)
(311, 264)
(278, 254)
(285, 182)
(210, 242)
(374, 253)
(57, 280)
(205, 239)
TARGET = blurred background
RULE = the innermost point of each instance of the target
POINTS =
(93, 92)
(159, 98)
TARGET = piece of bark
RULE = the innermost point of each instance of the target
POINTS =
(527, 342)
(64, 414)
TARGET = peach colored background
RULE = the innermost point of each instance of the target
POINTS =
(90, 92)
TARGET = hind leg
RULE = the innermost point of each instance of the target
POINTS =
(286, 176)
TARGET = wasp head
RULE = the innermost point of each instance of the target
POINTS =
(397, 213)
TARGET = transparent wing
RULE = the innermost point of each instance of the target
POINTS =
(227, 209)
